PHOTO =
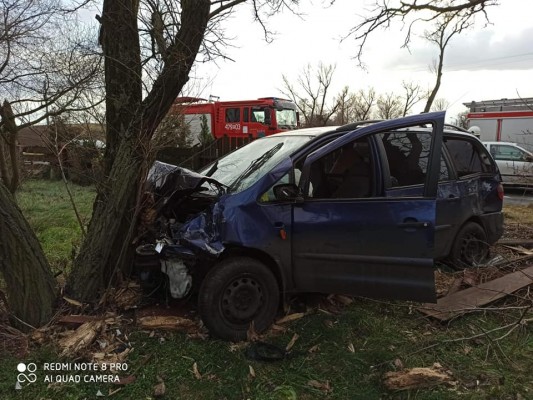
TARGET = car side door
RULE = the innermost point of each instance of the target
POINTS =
(350, 238)
(513, 163)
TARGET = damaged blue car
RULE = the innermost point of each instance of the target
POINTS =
(364, 209)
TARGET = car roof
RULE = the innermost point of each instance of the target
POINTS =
(315, 131)
(449, 130)
(509, 143)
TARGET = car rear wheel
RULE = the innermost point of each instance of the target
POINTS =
(235, 293)
(470, 247)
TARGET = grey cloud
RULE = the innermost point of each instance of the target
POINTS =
(473, 51)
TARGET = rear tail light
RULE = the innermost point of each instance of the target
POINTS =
(500, 191)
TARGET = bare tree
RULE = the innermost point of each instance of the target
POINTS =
(345, 102)
(312, 94)
(413, 12)
(412, 94)
(447, 25)
(160, 41)
(461, 120)
(389, 106)
(46, 64)
(440, 104)
(364, 103)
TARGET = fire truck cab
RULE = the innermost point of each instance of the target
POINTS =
(244, 118)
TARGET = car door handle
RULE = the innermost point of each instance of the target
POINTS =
(409, 223)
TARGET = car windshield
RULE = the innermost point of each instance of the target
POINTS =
(245, 166)
(286, 118)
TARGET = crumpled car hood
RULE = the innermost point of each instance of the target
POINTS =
(173, 188)
(166, 179)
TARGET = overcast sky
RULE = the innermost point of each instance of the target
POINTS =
(483, 63)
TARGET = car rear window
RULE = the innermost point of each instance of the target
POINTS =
(467, 157)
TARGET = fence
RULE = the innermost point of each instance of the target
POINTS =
(197, 157)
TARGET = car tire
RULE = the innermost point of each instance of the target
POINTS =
(235, 293)
(470, 247)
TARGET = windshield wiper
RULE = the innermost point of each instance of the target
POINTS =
(255, 165)
(212, 169)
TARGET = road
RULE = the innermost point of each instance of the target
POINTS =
(518, 197)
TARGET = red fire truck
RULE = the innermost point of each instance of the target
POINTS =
(506, 120)
(237, 119)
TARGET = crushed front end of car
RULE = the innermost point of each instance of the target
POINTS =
(179, 234)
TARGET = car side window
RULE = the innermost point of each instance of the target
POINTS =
(258, 114)
(467, 158)
(233, 115)
(507, 153)
(344, 173)
(408, 156)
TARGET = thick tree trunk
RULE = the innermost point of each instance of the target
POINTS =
(87, 280)
(31, 287)
(130, 128)
(119, 38)
(10, 176)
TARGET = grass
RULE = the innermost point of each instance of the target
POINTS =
(47, 208)
(379, 332)
(384, 336)
(519, 214)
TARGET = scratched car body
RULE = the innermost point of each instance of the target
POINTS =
(363, 209)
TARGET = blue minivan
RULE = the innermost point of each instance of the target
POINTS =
(364, 209)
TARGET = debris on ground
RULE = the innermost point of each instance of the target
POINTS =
(418, 378)
(289, 318)
(80, 339)
(168, 322)
(159, 388)
(474, 297)
(324, 387)
(128, 296)
(13, 341)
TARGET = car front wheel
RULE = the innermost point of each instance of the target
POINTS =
(235, 293)
(470, 247)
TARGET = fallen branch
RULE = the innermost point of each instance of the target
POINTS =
(520, 322)
(417, 378)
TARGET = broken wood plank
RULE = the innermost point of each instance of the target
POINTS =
(520, 249)
(417, 378)
(472, 298)
(81, 338)
(515, 242)
(506, 262)
(78, 319)
(168, 322)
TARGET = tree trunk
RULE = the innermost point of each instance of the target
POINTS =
(94, 263)
(31, 287)
(130, 127)
(9, 132)
(440, 66)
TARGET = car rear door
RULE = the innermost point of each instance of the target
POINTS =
(365, 243)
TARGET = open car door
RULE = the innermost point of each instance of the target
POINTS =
(347, 237)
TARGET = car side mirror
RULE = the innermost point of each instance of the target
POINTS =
(287, 192)
(528, 158)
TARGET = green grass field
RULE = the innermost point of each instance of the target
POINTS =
(352, 346)
(47, 207)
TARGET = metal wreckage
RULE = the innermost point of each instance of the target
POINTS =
(363, 209)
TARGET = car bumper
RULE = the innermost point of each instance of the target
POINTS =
(493, 225)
